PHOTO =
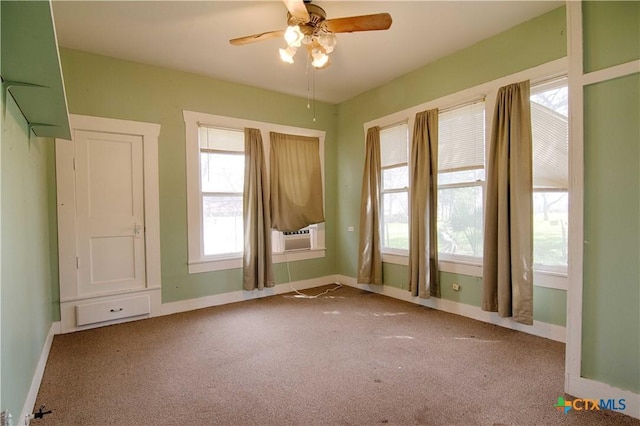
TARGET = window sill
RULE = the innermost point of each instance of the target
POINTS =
(448, 265)
(546, 279)
(196, 267)
(395, 258)
(461, 267)
(293, 256)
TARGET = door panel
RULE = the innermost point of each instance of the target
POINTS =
(110, 212)
(112, 259)
(111, 191)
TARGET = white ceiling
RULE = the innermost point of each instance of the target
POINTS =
(193, 36)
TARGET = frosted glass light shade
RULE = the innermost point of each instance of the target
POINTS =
(293, 36)
(320, 59)
(287, 54)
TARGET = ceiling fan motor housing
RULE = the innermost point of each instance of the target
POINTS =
(316, 16)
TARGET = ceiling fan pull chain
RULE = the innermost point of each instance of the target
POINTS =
(314, 94)
(308, 84)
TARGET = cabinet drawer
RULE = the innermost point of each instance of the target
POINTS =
(90, 313)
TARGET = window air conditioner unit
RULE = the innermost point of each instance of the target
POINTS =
(297, 240)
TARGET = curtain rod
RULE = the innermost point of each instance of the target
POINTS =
(462, 105)
(549, 79)
(397, 123)
(216, 127)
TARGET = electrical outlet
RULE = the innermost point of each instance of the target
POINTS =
(456, 287)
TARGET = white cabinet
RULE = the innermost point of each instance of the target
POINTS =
(108, 225)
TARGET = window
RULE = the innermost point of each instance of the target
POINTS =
(461, 145)
(394, 197)
(549, 126)
(222, 185)
(462, 129)
(215, 186)
(296, 184)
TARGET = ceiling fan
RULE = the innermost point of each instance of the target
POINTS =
(308, 26)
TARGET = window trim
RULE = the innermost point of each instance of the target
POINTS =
(550, 273)
(204, 194)
(384, 249)
(402, 190)
(463, 259)
(488, 90)
(197, 262)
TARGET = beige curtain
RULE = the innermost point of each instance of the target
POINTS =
(423, 203)
(508, 224)
(369, 252)
(257, 270)
(296, 182)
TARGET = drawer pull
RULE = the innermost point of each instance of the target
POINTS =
(128, 306)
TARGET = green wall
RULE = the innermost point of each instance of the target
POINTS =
(2, 121)
(610, 33)
(26, 281)
(28, 259)
(106, 87)
(532, 43)
(611, 290)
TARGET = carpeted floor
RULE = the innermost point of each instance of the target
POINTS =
(347, 358)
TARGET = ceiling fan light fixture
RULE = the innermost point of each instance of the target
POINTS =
(307, 39)
(328, 41)
(320, 59)
(293, 36)
(307, 25)
(287, 54)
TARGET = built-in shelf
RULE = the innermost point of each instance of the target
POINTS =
(30, 67)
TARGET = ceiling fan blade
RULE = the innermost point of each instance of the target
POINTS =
(378, 21)
(297, 9)
(256, 37)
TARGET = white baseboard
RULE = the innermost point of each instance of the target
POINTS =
(541, 329)
(239, 296)
(591, 389)
(27, 409)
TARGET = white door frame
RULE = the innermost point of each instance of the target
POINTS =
(67, 198)
(575, 384)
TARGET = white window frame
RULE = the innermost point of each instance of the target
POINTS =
(458, 258)
(197, 261)
(204, 194)
(488, 90)
(385, 249)
(549, 273)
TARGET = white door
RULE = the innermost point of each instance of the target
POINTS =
(109, 212)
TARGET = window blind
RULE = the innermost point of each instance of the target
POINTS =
(221, 139)
(550, 147)
(393, 145)
(461, 138)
